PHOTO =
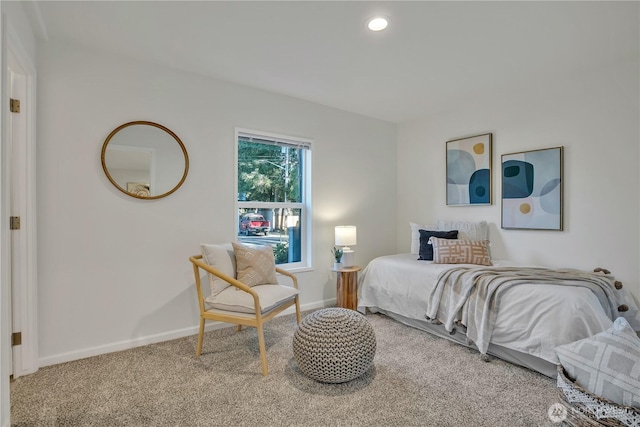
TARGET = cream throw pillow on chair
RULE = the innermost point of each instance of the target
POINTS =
(220, 257)
(255, 266)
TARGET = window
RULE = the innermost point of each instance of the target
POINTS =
(273, 187)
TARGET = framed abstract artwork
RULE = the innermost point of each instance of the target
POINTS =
(469, 170)
(532, 193)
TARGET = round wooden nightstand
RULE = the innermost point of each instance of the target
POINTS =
(347, 287)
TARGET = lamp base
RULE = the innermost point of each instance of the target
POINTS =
(348, 258)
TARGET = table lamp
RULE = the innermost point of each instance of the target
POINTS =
(345, 236)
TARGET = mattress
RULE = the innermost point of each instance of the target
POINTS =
(533, 318)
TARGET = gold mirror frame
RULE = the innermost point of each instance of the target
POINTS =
(156, 125)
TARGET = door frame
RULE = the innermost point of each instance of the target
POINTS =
(10, 42)
(27, 264)
(24, 310)
(5, 275)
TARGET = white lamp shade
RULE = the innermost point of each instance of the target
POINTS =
(346, 235)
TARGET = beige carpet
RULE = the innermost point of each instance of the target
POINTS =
(417, 380)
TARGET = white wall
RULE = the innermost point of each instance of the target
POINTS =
(19, 26)
(594, 114)
(112, 268)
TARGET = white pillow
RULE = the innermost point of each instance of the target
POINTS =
(415, 235)
(220, 257)
(606, 364)
(467, 230)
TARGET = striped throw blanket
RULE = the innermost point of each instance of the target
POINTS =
(472, 295)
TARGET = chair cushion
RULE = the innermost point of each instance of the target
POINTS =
(270, 297)
(255, 265)
(220, 257)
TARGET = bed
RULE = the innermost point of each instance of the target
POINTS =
(532, 319)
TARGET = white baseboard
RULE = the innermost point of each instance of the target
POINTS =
(151, 339)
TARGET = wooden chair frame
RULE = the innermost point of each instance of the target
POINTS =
(256, 319)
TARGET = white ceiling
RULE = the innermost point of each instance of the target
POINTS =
(432, 56)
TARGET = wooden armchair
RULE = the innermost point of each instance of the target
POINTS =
(253, 306)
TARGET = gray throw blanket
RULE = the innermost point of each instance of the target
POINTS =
(472, 295)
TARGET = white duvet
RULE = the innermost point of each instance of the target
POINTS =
(533, 318)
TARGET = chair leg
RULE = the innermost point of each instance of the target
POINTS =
(239, 328)
(200, 337)
(263, 351)
(297, 310)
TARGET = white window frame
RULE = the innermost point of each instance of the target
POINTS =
(305, 206)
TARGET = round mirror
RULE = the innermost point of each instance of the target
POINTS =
(144, 160)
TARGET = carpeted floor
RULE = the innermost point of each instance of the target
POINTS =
(417, 380)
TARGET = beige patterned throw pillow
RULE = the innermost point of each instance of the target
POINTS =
(450, 251)
(255, 266)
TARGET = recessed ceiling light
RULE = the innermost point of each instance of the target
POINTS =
(377, 23)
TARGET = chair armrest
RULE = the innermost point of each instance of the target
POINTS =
(232, 281)
(290, 275)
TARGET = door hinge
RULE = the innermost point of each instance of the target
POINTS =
(14, 105)
(14, 223)
(16, 338)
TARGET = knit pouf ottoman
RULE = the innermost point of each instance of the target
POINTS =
(334, 345)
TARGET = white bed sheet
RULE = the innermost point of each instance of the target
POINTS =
(532, 319)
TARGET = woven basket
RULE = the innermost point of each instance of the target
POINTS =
(334, 345)
(585, 408)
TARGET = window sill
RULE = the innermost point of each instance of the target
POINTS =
(296, 269)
